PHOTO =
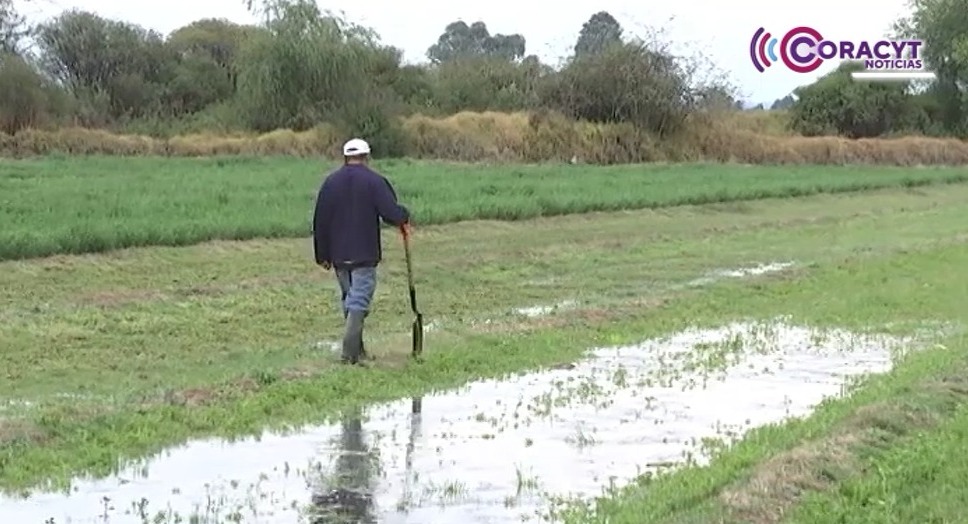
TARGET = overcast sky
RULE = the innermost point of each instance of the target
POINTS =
(716, 30)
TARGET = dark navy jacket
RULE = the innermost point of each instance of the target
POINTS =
(346, 223)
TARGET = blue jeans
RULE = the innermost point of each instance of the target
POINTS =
(356, 288)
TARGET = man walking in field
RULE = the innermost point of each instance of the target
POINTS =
(346, 235)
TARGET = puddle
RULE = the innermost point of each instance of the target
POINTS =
(329, 345)
(540, 311)
(743, 272)
(761, 269)
(492, 451)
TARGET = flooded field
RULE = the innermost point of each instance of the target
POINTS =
(493, 451)
(541, 310)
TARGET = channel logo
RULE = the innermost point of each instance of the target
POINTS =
(803, 50)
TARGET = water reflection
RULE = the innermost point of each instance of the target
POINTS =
(416, 408)
(494, 450)
(347, 494)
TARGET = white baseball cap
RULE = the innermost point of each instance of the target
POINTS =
(356, 147)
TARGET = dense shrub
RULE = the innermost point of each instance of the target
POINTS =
(520, 137)
(837, 104)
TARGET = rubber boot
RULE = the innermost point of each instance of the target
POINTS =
(353, 338)
(363, 355)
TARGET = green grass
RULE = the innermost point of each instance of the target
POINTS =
(170, 343)
(918, 480)
(93, 204)
(184, 317)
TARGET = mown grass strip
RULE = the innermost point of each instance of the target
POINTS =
(857, 293)
(917, 480)
(92, 204)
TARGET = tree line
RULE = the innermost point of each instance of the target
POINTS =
(302, 67)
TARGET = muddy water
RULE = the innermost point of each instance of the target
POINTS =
(494, 451)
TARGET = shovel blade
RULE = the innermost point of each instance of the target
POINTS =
(417, 336)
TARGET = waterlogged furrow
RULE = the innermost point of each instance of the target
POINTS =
(493, 451)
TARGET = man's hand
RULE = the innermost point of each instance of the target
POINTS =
(405, 228)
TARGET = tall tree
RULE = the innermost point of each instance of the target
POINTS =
(207, 70)
(308, 68)
(598, 33)
(630, 83)
(460, 40)
(96, 57)
(943, 24)
(23, 98)
(13, 28)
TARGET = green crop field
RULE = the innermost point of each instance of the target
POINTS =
(213, 321)
(85, 204)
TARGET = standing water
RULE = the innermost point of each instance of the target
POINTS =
(495, 450)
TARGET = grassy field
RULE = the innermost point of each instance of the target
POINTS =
(93, 204)
(114, 355)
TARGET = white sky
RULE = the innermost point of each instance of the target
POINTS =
(720, 31)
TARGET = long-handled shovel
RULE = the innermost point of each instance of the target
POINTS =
(417, 327)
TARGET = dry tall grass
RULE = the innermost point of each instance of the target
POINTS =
(748, 137)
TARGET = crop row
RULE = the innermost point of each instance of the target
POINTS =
(92, 204)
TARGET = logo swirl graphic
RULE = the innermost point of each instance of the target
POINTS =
(798, 49)
(763, 50)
